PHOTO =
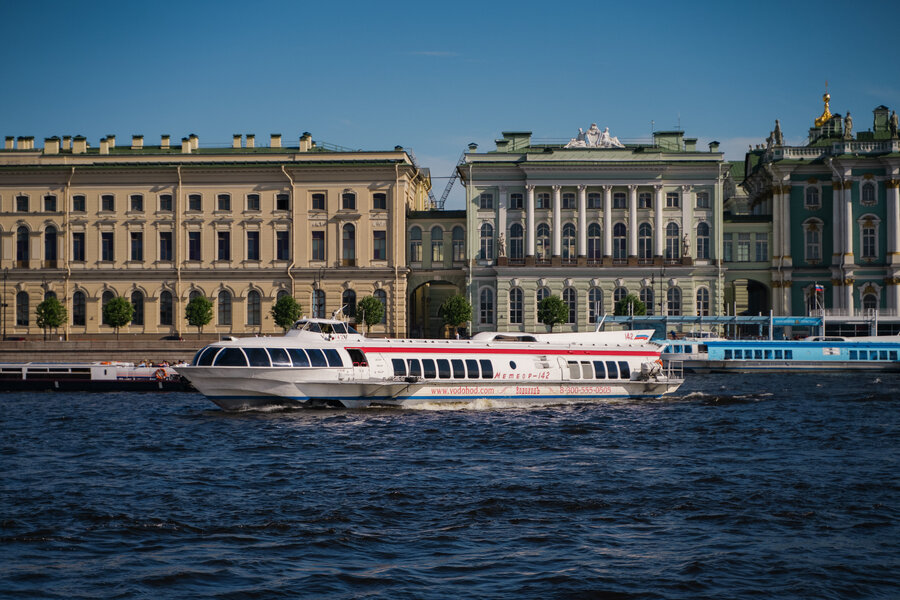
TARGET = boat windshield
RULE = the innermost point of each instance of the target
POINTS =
(319, 327)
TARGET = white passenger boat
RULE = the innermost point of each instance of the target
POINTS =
(326, 362)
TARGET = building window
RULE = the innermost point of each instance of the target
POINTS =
(702, 199)
(348, 201)
(253, 202)
(645, 241)
(762, 247)
(165, 202)
(486, 308)
(672, 200)
(195, 202)
(224, 306)
(703, 240)
(486, 202)
(868, 194)
(437, 245)
(22, 249)
(415, 244)
(516, 306)
(727, 247)
(703, 302)
(137, 203)
(619, 294)
(743, 247)
(318, 201)
(541, 294)
(50, 203)
(594, 242)
(22, 309)
(868, 239)
(50, 245)
(254, 309)
(645, 200)
(542, 200)
(21, 203)
(516, 242)
(459, 244)
(568, 200)
(282, 245)
(318, 304)
(543, 241)
(813, 240)
(646, 296)
(379, 201)
(193, 245)
(166, 308)
(619, 200)
(812, 197)
(379, 246)
(104, 300)
(869, 302)
(487, 242)
(570, 299)
(619, 234)
(594, 200)
(516, 201)
(78, 203)
(107, 202)
(318, 245)
(595, 304)
(137, 246)
(78, 246)
(79, 309)
(165, 246)
(348, 245)
(673, 242)
(348, 303)
(673, 301)
(568, 241)
(107, 247)
(282, 202)
(381, 296)
(223, 245)
(252, 245)
(137, 301)
(223, 202)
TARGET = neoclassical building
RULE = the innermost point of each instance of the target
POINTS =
(835, 211)
(591, 220)
(242, 225)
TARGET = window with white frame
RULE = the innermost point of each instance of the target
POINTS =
(515, 201)
(645, 241)
(595, 304)
(542, 200)
(673, 241)
(516, 241)
(486, 308)
(812, 229)
(594, 242)
(486, 201)
(645, 200)
(570, 299)
(348, 201)
(868, 237)
(459, 244)
(703, 302)
(619, 200)
(646, 295)
(516, 306)
(487, 242)
(619, 236)
(568, 200)
(702, 199)
(594, 200)
(762, 247)
(568, 241)
(727, 247)
(415, 244)
(812, 197)
(867, 194)
(672, 200)
(743, 247)
(437, 245)
(673, 301)
(543, 241)
(703, 240)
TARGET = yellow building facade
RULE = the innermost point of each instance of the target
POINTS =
(241, 225)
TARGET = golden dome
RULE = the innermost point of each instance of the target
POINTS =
(826, 114)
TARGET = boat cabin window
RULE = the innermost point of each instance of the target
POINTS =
(514, 338)
(399, 367)
(231, 357)
(587, 371)
(206, 356)
(779, 355)
(459, 371)
(702, 348)
(727, 354)
(789, 355)
(415, 367)
(688, 349)
(316, 357)
(612, 370)
(279, 357)
(624, 369)
(357, 357)
(757, 354)
(472, 368)
(599, 369)
(487, 369)
(313, 327)
(298, 356)
(428, 371)
(443, 368)
(892, 354)
(334, 358)
(768, 355)
(882, 355)
(258, 357)
(574, 370)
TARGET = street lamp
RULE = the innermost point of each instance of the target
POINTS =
(3, 303)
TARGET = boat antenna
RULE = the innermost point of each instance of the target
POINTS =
(600, 323)
(335, 314)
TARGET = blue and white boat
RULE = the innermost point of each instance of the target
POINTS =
(815, 353)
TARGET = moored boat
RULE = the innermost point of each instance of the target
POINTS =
(327, 362)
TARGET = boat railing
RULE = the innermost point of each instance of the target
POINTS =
(674, 369)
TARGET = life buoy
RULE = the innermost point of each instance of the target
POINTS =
(160, 374)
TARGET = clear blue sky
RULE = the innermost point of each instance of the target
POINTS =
(435, 76)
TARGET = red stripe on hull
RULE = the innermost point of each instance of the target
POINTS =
(431, 350)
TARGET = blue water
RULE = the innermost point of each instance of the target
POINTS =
(741, 486)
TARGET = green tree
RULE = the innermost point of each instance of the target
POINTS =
(552, 310)
(370, 310)
(286, 311)
(455, 311)
(637, 307)
(199, 312)
(50, 314)
(118, 313)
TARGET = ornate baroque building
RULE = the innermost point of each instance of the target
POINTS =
(592, 220)
(241, 225)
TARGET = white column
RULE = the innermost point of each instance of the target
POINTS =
(529, 220)
(687, 215)
(659, 228)
(849, 224)
(607, 220)
(582, 220)
(893, 218)
(776, 227)
(837, 238)
(557, 220)
(632, 221)
(501, 215)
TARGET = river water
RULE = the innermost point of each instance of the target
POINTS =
(740, 486)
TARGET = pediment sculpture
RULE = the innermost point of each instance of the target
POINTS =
(594, 138)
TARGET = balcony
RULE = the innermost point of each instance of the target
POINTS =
(22, 264)
(51, 264)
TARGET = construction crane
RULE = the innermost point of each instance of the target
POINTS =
(451, 181)
(415, 163)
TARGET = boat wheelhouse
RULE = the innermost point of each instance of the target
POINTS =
(327, 362)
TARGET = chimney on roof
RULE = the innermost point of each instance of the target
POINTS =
(10, 143)
(79, 144)
(165, 141)
(714, 146)
(111, 138)
(236, 140)
(51, 145)
(185, 145)
(137, 142)
(275, 140)
(104, 146)
(27, 143)
(67, 142)
(195, 141)
(305, 141)
(251, 140)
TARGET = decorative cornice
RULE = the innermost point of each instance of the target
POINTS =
(892, 184)
(837, 282)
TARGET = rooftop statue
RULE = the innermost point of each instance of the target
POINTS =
(826, 114)
(594, 138)
(779, 137)
(893, 124)
(848, 127)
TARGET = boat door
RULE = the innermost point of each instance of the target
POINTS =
(360, 364)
